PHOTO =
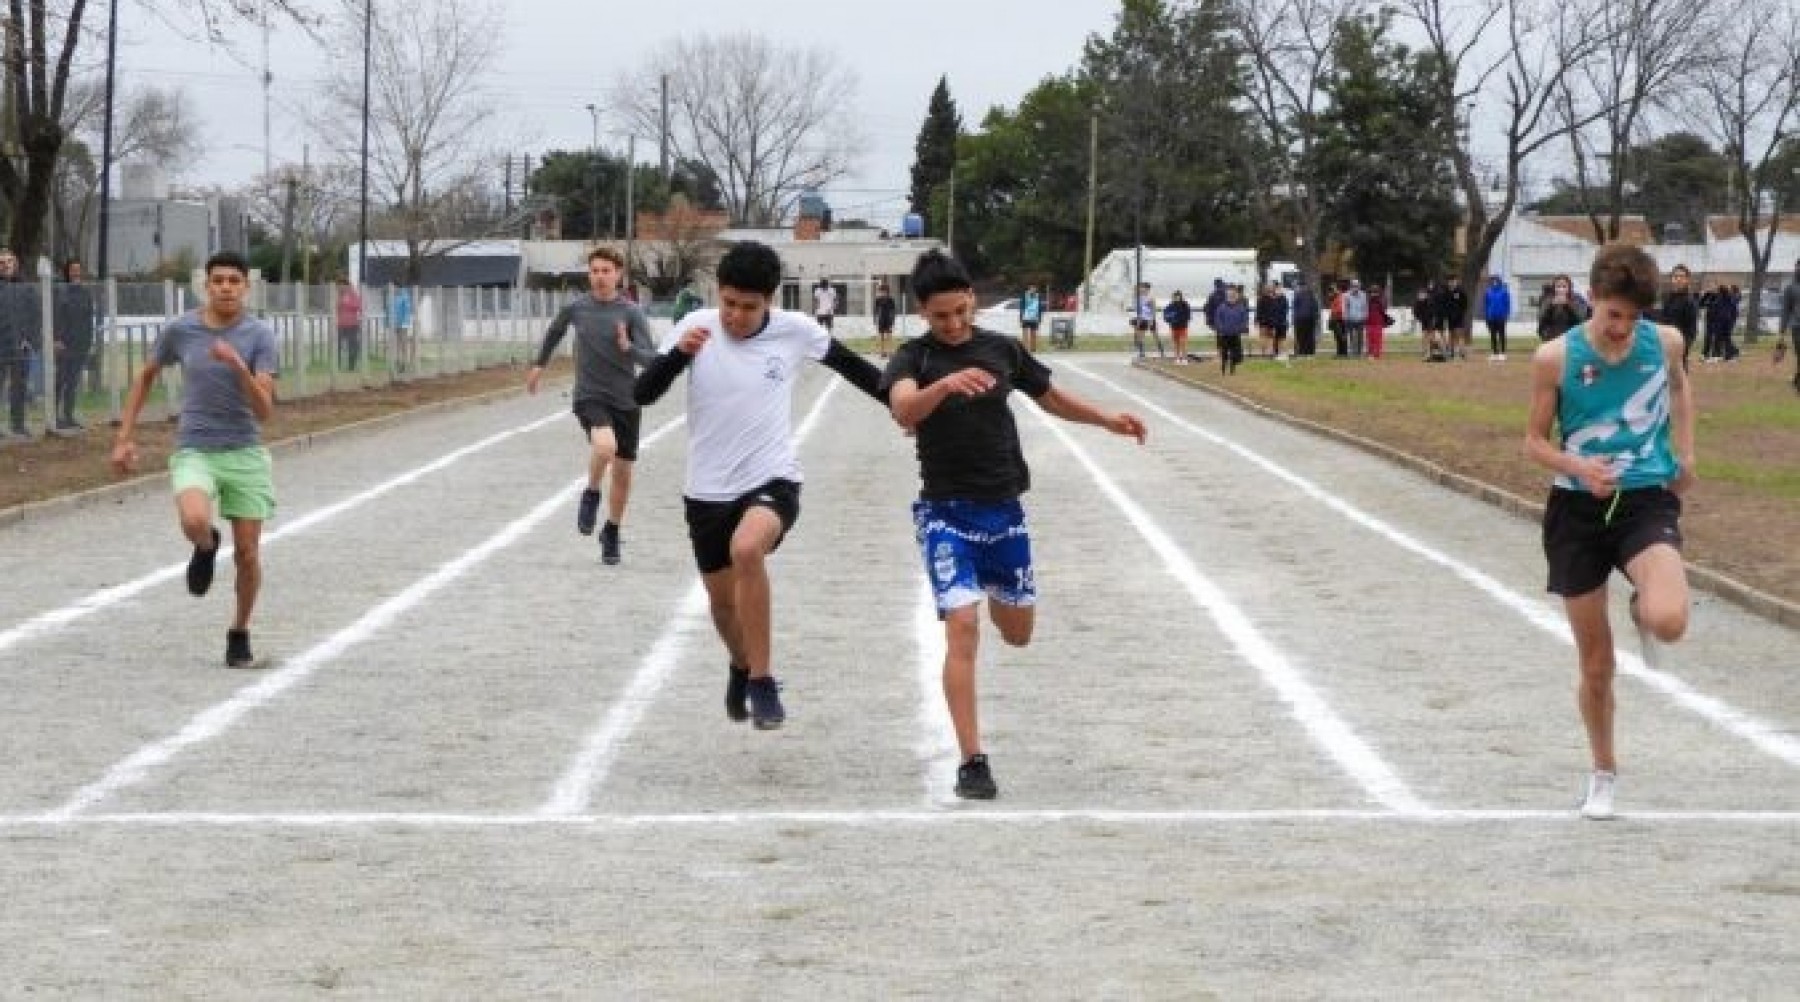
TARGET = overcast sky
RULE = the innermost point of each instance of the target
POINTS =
(556, 60)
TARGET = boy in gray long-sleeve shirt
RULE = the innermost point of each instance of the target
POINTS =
(612, 338)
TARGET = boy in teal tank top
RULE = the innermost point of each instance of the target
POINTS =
(1612, 415)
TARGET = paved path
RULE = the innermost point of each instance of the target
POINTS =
(1295, 724)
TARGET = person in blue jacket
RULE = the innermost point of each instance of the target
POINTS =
(1496, 309)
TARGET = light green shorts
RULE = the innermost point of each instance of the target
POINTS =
(241, 482)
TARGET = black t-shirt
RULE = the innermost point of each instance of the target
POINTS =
(969, 447)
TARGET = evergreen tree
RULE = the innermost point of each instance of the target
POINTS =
(1383, 159)
(934, 155)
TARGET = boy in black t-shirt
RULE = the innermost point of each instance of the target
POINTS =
(951, 386)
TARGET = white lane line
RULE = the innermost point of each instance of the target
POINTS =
(574, 790)
(215, 720)
(1774, 740)
(56, 619)
(884, 818)
(1328, 730)
(938, 754)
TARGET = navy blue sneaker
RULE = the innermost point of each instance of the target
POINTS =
(766, 713)
(737, 706)
(200, 567)
(975, 781)
(589, 512)
(609, 544)
(237, 649)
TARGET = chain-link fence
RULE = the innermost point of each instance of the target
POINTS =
(68, 351)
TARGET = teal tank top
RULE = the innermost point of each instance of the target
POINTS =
(1618, 412)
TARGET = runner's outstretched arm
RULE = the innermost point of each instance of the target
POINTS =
(856, 370)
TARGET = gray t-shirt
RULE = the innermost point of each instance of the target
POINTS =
(214, 413)
(602, 371)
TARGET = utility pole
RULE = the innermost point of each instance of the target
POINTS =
(1087, 260)
(268, 87)
(630, 205)
(362, 257)
(667, 168)
(106, 141)
(593, 166)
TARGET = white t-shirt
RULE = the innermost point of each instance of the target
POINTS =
(824, 301)
(740, 402)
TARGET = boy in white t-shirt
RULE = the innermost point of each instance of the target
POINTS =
(743, 475)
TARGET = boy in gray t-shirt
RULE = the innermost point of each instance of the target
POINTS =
(228, 361)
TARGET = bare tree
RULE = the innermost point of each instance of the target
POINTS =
(1647, 53)
(1749, 101)
(1290, 45)
(41, 40)
(770, 120)
(428, 117)
(1544, 41)
(687, 246)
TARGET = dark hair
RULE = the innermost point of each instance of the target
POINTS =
(751, 267)
(228, 259)
(1622, 271)
(607, 254)
(938, 272)
(70, 263)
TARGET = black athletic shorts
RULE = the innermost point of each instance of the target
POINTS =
(712, 523)
(825, 320)
(1583, 547)
(624, 423)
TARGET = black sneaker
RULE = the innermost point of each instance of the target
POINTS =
(200, 568)
(975, 781)
(736, 694)
(766, 713)
(589, 512)
(609, 544)
(237, 649)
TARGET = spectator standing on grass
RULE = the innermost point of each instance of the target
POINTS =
(1213, 299)
(74, 325)
(1178, 314)
(349, 326)
(886, 312)
(1559, 311)
(1451, 311)
(1787, 332)
(1232, 321)
(228, 364)
(1306, 322)
(1680, 309)
(1356, 318)
(1375, 329)
(612, 338)
(1336, 320)
(400, 314)
(1716, 318)
(743, 361)
(951, 387)
(1612, 415)
(1496, 309)
(1143, 319)
(1275, 319)
(1422, 319)
(18, 337)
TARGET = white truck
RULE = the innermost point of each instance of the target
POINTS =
(1189, 270)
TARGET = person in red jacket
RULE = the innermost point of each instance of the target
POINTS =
(349, 327)
(1376, 326)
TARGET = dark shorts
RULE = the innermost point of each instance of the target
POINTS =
(824, 320)
(624, 424)
(1583, 547)
(1030, 325)
(884, 327)
(711, 524)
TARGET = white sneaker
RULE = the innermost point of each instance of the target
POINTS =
(1598, 804)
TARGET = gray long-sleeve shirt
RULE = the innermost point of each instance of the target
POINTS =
(602, 371)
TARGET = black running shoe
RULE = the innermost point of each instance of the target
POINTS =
(736, 695)
(766, 713)
(200, 568)
(588, 513)
(609, 544)
(237, 649)
(975, 781)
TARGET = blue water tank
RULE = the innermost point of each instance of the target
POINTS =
(913, 226)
